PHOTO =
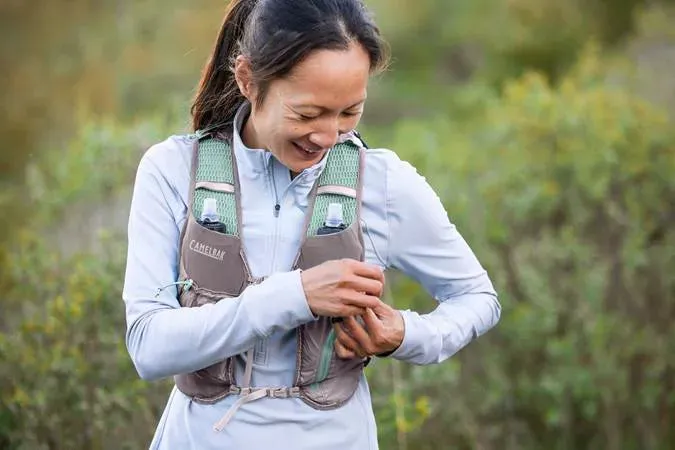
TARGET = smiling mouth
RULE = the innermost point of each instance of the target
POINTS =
(306, 151)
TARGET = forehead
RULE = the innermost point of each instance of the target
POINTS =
(328, 78)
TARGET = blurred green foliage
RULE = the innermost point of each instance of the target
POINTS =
(66, 377)
(542, 125)
(565, 193)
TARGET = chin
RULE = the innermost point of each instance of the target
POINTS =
(300, 164)
(298, 167)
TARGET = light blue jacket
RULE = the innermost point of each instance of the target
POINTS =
(405, 226)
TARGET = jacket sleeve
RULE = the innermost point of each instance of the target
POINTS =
(425, 245)
(164, 339)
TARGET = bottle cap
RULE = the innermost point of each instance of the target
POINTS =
(210, 210)
(334, 216)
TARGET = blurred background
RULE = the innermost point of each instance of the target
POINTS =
(545, 126)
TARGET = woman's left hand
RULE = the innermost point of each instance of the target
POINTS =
(383, 333)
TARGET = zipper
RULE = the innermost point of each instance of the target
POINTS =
(277, 209)
(277, 205)
(298, 355)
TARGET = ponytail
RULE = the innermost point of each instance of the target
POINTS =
(218, 96)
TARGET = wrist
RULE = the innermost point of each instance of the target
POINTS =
(398, 336)
(301, 272)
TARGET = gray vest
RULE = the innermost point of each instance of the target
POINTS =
(213, 268)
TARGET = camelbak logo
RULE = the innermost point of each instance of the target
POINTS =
(207, 250)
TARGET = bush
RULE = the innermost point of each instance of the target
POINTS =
(566, 194)
(66, 380)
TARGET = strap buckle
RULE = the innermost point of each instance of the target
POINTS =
(283, 392)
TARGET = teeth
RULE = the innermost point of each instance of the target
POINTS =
(306, 150)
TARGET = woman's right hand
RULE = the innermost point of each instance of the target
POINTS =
(343, 288)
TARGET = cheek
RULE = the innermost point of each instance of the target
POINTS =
(349, 123)
(289, 131)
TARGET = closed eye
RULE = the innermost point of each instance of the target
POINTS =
(307, 118)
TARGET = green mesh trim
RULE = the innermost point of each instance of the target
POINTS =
(342, 169)
(215, 164)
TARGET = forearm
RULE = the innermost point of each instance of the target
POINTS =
(434, 337)
(164, 340)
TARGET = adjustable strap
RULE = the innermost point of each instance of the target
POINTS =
(249, 394)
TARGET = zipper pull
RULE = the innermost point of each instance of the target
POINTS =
(186, 283)
(277, 207)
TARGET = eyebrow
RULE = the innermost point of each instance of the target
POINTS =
(323, 108)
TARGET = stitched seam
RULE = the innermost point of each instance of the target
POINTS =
(156, 171)
(387, 204)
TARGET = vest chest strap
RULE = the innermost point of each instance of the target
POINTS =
(248, 395)
(276, 392)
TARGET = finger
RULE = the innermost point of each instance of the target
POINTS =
(366, 285)
(360, 335)
(342, 351)
(347, 341)
(373, 323)
(361, 300)
(366, 270)
(348, 311)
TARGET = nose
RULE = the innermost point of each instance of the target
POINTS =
(326, 135)
(324, 139)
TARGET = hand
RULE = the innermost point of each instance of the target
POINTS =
(383, 332)
(343, 288)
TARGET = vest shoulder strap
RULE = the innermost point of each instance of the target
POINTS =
(214, 177)
(339, 183)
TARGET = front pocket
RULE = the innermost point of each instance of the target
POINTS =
(194, 295)
(321, 248)
(216, 373)
(213, 260)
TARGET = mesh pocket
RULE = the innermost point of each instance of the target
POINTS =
(215, 165)
(342, 169)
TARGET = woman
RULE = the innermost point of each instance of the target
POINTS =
(280, 99)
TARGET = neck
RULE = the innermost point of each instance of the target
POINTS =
(248, 134)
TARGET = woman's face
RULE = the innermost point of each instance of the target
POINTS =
(304, 113)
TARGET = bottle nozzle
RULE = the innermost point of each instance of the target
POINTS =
(210, 210)
(334, 217)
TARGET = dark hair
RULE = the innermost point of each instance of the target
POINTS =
(275, 35)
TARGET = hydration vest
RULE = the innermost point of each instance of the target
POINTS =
(213, 268)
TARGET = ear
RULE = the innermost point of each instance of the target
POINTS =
(244, 77)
